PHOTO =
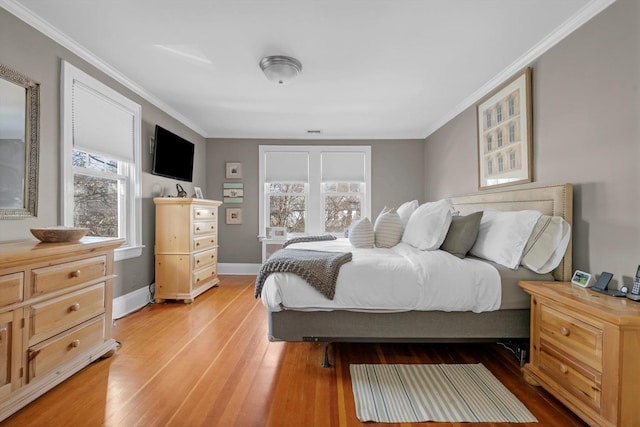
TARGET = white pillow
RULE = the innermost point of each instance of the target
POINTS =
(387, 229)
(405, 210)
(504, 235)
(428, 225)
(361, 233)
(547, 244)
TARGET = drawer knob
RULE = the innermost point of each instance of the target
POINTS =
(74, 344)
(197, 243)
(75, 273)
(74, 307)
(197, 228)
(564, 369)
(198, 213)
(198, 261)
(197, 280)
(212, 227)
(564, 331)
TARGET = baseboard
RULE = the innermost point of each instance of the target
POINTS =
(130, 302)
(239, 269)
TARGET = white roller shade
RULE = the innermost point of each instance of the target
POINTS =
(101, 125)
(343, 166)
(286, 166)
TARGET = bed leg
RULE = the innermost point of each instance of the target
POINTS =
(325, 360)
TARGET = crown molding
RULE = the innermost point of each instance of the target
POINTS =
(576, 21)
(26, 15)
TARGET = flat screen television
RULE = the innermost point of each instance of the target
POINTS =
(172, 156)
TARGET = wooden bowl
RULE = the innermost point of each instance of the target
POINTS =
(59, 234)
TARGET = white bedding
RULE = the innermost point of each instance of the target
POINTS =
(401, 278)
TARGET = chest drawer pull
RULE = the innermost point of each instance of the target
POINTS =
(75, 273)
(564, 369)
(564, 331)
(74, 344)
(74, 307)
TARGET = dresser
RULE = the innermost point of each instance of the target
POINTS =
(55, 314)
(585, 350)
(186, 248)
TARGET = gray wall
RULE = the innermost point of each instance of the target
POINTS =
(397, 168)
(586, 113)
(29, 52)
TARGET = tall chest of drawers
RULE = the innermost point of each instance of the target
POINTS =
(55, 314)
(186, 248)
(585, 350)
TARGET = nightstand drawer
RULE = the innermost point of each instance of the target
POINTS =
(583, 383)
(52, 353)
(204, 228)
(61, 276)
(11, 288)
(572, 336)
(59, 314)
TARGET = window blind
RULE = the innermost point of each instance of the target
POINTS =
(101, 125)
(343, 166)
(286, 166)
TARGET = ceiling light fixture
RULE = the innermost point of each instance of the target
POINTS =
(280, 69)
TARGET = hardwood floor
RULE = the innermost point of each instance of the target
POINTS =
(210, 364)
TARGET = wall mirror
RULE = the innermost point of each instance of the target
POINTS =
(19, 144)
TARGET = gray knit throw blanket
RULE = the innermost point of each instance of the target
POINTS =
(308, 239)
(320, 269)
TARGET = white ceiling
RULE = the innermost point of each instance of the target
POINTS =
(396, 69)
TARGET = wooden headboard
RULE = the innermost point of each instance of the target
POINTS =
(555, 200)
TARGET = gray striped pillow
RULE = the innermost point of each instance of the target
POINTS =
(361, 233)
(388, 229)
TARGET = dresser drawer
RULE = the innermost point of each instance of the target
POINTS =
(200, 243)
(51, 354)
(202, 213)
(583, 383)
(11, 288)
(205, 258)
(200, 228)
(58, 314)
(60, 276)
(572, 336)
(203, 275)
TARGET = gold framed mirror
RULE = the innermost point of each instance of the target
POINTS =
(19, 144)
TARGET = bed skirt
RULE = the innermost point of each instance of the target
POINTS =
(411, 326)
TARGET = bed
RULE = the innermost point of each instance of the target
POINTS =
(509, 319)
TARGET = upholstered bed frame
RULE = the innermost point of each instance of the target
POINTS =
(434, 326)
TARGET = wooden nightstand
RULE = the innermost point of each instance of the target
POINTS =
(585, 350)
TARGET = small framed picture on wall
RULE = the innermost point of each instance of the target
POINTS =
(234, 170)
(234, 216)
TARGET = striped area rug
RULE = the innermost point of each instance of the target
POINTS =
(448, 393)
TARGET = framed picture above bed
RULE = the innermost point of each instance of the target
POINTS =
(505, 136)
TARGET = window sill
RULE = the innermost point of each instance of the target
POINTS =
(127, 252)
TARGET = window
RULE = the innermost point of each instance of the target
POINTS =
(488, 116)
(489, 142)
(313, 189)
(101, 161)
(512, 160)
(512, 132)
(500, 164)
(499, 113)
(490, 167)
(499, 137)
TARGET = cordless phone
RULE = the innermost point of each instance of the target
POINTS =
(635, 290)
